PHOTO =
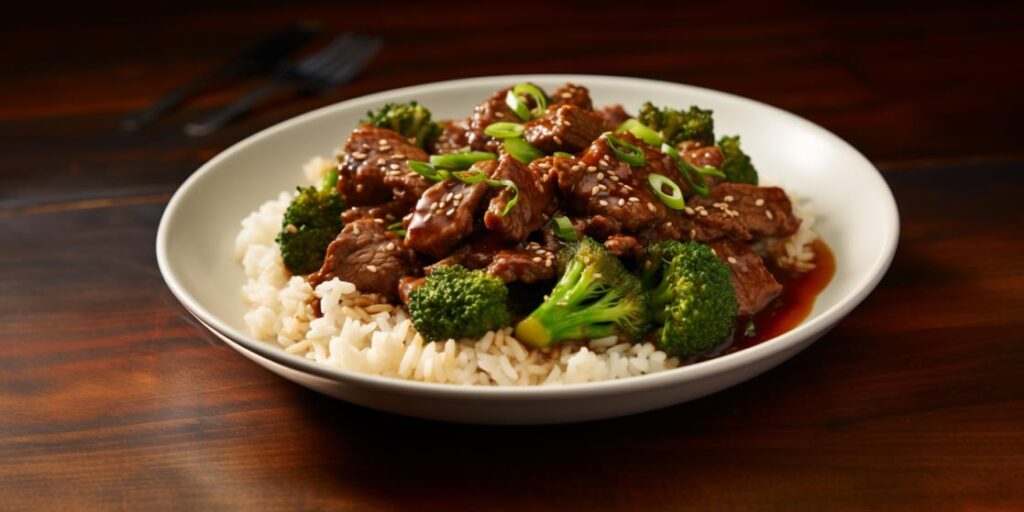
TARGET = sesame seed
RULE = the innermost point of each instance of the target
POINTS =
(768, 213)
(566, 94)
(603, 202)
(614, 178)
(591, 169)
(398, 155)
(567, 123)
(458, 196)
(544, 165)
(292, 229)
(595, 191)
(450, 212)
(714, 252)
(759, 202)
(597, 275)
(385, 148)
(541, 252)
(382, 142)
(651, 207)
(355, 230)
(371, 268)
(693, 233)
(536, 259)
(448, 196)
(728, 199)
(558, 140)
(689, 211)
(547, 263)
(499, 115)
(359, 155)
(634, 200)
(381, 161)
(704, 212)
(622, 202)
(391, 246)
(379, 221)
(600, 176)
(731, 260)
(395, 166)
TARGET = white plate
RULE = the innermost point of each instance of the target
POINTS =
(856, 216)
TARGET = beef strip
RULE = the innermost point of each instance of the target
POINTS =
(527, 262)
(454, 136)
(444, 214)
(625, 246)
(389, 212)
(599, 184)
(492, 110)
(534, 207)
(407, 285)
(572, 94)
(373, 167)
(564, 127)
(526, 265)
(764, 211)
(613, 115)
(369, 256)
(702, 156)
(755, 286)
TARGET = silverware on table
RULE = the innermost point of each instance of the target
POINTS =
(261, 58)
(337, 63)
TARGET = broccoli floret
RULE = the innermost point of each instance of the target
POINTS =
(693, 302)
(595, 297)
(676, 126)
(737, 166)
(412, 120)
(455, 302)
(311, 222)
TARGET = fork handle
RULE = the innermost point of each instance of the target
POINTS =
(225, 114)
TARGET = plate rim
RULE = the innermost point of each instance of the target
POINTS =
(807, 331)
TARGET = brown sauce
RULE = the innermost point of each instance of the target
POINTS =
(792, 307)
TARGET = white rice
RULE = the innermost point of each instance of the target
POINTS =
(360, 333)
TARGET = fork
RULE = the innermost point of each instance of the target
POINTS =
(337, 63)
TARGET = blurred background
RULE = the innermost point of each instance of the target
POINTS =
(902, 82)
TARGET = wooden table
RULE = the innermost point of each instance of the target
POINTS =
(112, 397)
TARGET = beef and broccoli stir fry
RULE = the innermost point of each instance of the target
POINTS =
(539, 210)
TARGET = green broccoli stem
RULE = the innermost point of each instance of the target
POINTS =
(559, 318)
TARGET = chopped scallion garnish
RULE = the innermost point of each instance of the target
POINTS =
(674, 199)
(563, 154)
(504, 130)
(455, 161)
(641, 131)
(522, 150)
(565, 230)
(626, 151)
(516, 100)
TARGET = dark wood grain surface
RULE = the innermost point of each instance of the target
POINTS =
(111, 397)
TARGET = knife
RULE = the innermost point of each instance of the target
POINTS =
(262, 57)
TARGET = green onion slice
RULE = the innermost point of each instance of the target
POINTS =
(454, 161)
(565, 230)
(329, 182)
(691, 174)
(669, 150)
(641, 131)
(515, 101)
(522, 150)
(397, 228)
(626, 151)
(564, 154)
(427, 170)
(675, 199)
(504, 130)
(711, 171)
(476, 176)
